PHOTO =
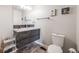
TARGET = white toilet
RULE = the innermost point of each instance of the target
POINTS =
(58, 41)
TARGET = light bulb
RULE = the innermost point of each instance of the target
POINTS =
(25, 7)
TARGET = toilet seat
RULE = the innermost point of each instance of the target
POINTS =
(54, 49)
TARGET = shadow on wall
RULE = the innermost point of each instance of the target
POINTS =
(68, 44)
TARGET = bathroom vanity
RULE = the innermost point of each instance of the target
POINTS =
(25, 36)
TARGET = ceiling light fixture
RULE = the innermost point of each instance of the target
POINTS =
(25, 7)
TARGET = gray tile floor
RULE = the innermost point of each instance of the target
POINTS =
(32, 48)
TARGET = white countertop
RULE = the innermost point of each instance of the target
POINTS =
(25, 29)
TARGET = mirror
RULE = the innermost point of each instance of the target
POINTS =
(19, 16)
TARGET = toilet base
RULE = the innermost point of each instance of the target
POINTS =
(54, 49)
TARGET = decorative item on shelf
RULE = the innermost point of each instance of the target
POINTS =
(65, 10)
(53, 12)
(43, 18)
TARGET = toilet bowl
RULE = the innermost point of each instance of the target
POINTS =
(56, 47)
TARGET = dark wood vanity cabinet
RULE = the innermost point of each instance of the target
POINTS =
(25, 37)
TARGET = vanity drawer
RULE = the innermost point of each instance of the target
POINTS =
(24, 42)
(23, 35)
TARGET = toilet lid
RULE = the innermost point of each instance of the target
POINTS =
(54, 49)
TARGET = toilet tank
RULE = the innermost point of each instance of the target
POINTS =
(58, 39)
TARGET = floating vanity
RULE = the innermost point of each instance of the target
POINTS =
(25, 36)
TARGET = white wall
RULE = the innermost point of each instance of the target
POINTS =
(63, 24)
(6, 22)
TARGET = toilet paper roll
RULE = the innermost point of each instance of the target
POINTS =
(72, 50)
